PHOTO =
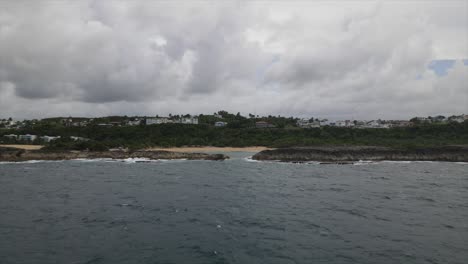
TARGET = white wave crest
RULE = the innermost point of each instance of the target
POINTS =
(397, 161)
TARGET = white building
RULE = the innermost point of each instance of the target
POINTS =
(306, 123)
(11, 136)
(359, 124)
(134, 122)
(49, 138)
(459, 119)
(79, 138)
(326, 122)
(165, 120)
(340, 123)
(189, 120)
(157, 120)
(220, 124)
(152, 121)
(27, 137)
(376, 124)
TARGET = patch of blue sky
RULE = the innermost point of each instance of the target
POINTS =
(440, 67)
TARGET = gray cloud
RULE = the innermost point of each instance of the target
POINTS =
(119, 57)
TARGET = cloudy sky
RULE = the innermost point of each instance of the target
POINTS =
(343, 59)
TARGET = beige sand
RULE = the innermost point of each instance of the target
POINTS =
(27, 147)
(213, 149)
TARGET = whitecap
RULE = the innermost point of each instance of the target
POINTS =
(172, 160)
(135, 160)
(30, 161)
(8, 162)
(364, 162)
(249, 159)
(92, 160)
(397, 161)
(312, 162)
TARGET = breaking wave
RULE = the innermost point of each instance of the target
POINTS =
(128, 160)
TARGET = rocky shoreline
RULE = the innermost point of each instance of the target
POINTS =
(18, 155)
(349, 154)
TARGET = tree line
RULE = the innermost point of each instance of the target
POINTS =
(176, 135)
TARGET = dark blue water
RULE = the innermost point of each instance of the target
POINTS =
(233, 212)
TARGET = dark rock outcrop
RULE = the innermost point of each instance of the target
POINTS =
(11, 154)
(355, 153)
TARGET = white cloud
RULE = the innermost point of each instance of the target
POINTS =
(358, 59)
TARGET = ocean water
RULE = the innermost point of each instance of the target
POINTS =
(236, 211)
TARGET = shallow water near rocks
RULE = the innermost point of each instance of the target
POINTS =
(235, 211)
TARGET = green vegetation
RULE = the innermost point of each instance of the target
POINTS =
(69, 144)
(239, 121)
(241, 133)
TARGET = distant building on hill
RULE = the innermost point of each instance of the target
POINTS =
(115, 123)
(344, 123)
(11, 136)
(27, 137)
(104, 125)
(157, 120)
(135, 122)
(326, 122)
(49, 138)
(306, 123)
(458, 119)
(376, 124)
(165, 120)
(79, 138)
(400, 123)
(189, 120)
(220, 124)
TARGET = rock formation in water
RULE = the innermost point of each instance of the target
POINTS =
(346, 154)
(12, 154)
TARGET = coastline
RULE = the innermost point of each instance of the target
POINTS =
(255, 149)
(18, 155)
(325, 154)
(347, 154)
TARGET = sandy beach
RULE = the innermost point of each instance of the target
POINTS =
(18, 146)
(213, 149)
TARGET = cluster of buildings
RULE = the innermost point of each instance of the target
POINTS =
(221, 122)
(311, 123)
(259, 124)
(69, 122)
(192, 120)
(306, 123)
(83, 122)
(31, 138)
(440, 119)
